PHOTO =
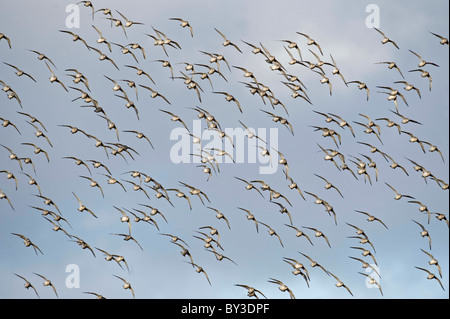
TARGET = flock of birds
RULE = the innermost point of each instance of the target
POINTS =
(215, 67)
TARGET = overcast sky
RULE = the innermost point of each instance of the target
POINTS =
(159, 270)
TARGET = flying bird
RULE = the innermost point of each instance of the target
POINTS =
(392, 65)
(42, 56)
(79, 162)
(250, 216)
(53, 78)
(398, 196)
(365, 253)
(27, 242)
(20, 72)
(366, 265)
(33, 119)
(102, 39)
(422, 62)
(140, 135)
(88, 4)
(341, 284)
(311, 41)
(6, 123)
(230, 98)
(249, 186)
(329, 185)
(155, 94)
(10, 175)
(180, 194)
(433, 261)
(125, 50)
(337, 71)
(184, 24)
(315, 264)
(82, 207)
(422, 208)
(299, 268)
(8, 40)
(251, 292)
(28, 284)
(431, 276)
(372, 281)
(175, 118)
(409, 87)
(361, 86)
(425, 74)
(227, 42)
(140, 72)
(126, 285)
(444, 41)
(196, 192)
(372, 218)
(128, 22)
(199, 269)
(319, 234)
(47, 283)
(386, 39)
(94, 184)
(300, 233)
(38, 150)
(76, 37)
(272, 232)
(282, 287)
(104, 57)
(424, 232)
(127, 237)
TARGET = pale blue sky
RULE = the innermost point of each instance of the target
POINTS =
(160, 271)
